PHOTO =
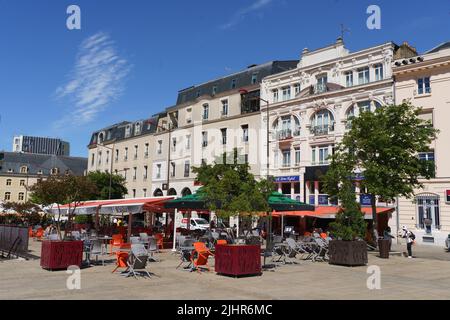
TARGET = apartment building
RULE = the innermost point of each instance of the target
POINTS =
(19, 171)
(311, 108)
(125, 148)
(208, 120)
(41, 145)
(425, 81)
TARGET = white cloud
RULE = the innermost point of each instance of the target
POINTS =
(243, 12)
(97, 79)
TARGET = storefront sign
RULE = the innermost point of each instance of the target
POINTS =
(323, 199)
(287, 179)
(365, 199)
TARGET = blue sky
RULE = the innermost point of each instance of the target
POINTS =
(131, 57)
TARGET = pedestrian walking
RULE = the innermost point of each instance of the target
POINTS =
(410, 237)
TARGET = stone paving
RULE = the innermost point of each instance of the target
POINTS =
(424, 277)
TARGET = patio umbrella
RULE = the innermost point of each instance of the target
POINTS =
(279, 202)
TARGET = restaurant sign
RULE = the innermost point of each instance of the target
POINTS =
(287, 179)
(365, 199)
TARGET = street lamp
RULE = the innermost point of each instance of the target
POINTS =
(269, 213)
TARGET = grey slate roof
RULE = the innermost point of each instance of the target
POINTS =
(242, 79)
(442, 46)
(36, 162)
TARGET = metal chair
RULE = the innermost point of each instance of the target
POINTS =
(97, 250)
(135, 240)
(137, 261)
(153, 249)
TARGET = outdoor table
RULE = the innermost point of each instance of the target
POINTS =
(105, 240)
(238, 260)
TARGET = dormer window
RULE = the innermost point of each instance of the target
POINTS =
(322, 81)
(55, 171)
(23, 169)
(127, 131)
(137, 128)
(363, 75)
(101, 137)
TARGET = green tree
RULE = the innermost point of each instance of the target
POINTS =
(63, 190)
(230, 189)
(383, 147)
(102, 181)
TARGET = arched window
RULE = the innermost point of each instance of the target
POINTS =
(8, 182)
(172, 192)
(158, 193)
(286, 127)
(186, 192)
(101, 137)
(21, 196)
(322, 122)
(7, 196)
(428, 209)
(23, 169)
(137, 128)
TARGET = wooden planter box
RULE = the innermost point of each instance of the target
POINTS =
(58, 255)
(348, 253)
(238, 260)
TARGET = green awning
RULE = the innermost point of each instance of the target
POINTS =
(279, 202)
(193, 201)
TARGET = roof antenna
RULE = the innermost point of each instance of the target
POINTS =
(343, 31)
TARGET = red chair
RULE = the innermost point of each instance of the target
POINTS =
(221, 242)
(39, 234)
(159, 240)
(121, 260)
(200, 256)
(116, 242)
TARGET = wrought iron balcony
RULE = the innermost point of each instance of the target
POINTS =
(284, 134)
(322, 130)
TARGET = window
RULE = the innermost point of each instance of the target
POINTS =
(204, 163)
(174, 144)
(233, 84)
(117, 155)
(275, 159)
(205, 112)
(379, 72)
(363, 75)
(8, 182)
(21, 196)
(134, 173)
(224, 107)
(275, 95)
(187, 168)
(137, 128)
(92, 160)
(349, 79)
(158, 171)
(364, 106)
(144, 192)
(323, 155)
(146, 150)
(7, 196)
(99, 157)
(23, 169)
(224, 136)
(428, 117)
(313, 156)
(40, 172)
(297, 157)
(198, 93)
(136, 152)
(173, 168)
(22, 183)
(204, 139)
(322, 83)
(188, 142)
(127, 131)
(244, 132)
(134, 193)
(424, 85)
(254, 78)
(159, 150)
(286, 93)
(428, 208)
(246, 158)
(322, 122)
(286, 158)
(145, 172)
(125, 156)
(107, 156)
(214, 90)
(297, 88)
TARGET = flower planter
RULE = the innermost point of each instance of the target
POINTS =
(238, 260)
(59, 255)
(348, 253)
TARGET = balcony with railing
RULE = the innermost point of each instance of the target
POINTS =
(322, 130)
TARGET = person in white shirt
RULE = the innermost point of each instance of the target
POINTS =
(410, 237)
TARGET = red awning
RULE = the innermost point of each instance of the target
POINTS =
(329, 212)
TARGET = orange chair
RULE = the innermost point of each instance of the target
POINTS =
(39, 234)
(159, 240)
(116, 242)
(200, 256)
(307, 234)
(221, 242)
(30, 232)
(121, 262)
(323, 235)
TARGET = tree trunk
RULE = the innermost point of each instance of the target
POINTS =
(374, 220)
